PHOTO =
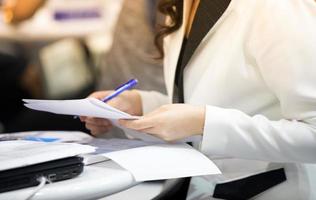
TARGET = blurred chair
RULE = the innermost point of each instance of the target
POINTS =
(67, 69)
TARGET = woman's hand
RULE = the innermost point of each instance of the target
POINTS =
(128, 101)
(170, 122)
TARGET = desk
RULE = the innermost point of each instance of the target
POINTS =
(97, 181)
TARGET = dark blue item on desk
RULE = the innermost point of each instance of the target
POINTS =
(63, 15)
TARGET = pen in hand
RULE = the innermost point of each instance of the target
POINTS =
(126, 86)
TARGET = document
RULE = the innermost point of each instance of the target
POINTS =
(20, 153)
(163, 161)
(82, 107)
(117, 144)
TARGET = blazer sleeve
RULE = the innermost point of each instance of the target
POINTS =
(282, 42)
(152, 100)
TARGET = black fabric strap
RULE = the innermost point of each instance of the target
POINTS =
(249, 187)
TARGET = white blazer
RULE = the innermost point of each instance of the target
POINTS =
(256, 73)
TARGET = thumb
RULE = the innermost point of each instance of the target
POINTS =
(100, 94)
(118, 104)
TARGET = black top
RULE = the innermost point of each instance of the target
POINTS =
(207, 14)
(178, 96)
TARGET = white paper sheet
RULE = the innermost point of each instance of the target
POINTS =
(19, 153)
(164, 161)
(81, 107)
(117, 144)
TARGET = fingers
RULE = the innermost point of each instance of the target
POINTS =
(96, 126)
(157, 132)
(82, 118)
(100, 94)
(142, 125)
(146, 122)
(138, 125)
(97, 121)
(116, 103)
(98, 130)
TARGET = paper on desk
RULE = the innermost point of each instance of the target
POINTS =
(19, 153)
(82, 107)
(163, 161)
(117, 144)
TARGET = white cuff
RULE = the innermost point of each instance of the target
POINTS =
(152, 100)
(216, 132)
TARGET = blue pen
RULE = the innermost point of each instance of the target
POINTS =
(126, 86)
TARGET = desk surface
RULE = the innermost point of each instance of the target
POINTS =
(95, 182)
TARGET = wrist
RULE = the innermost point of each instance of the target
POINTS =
(137, 103)
(200, 120)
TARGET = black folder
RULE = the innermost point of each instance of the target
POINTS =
(56, 170)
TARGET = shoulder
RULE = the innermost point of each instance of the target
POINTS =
(282, 40)
(301, 10)
(283, 20)
(277, 13)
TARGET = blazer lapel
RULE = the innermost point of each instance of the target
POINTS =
(208, 14)
(172, 44)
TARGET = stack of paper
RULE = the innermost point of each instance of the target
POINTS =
(82, 107)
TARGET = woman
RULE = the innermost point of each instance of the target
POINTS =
(248, 89)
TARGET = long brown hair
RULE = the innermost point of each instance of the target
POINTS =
(173, 9)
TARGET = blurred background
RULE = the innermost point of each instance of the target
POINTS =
(66, 49)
